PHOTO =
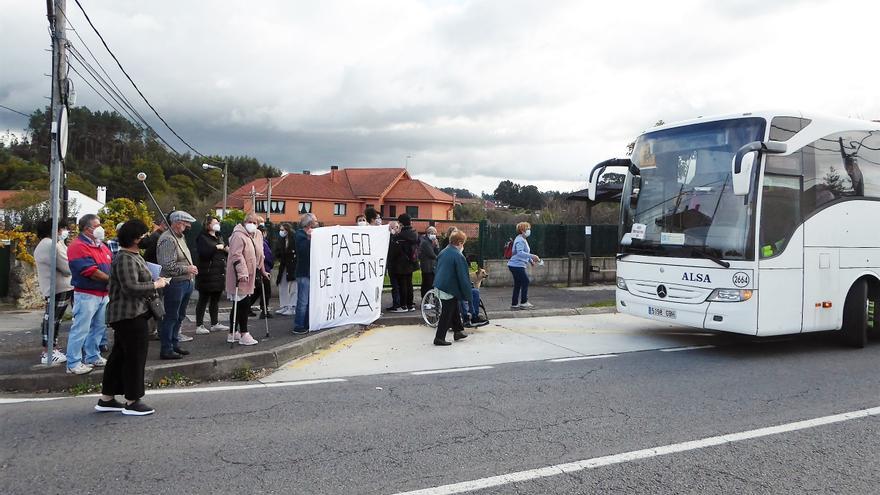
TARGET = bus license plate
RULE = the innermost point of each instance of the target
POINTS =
(661, 312)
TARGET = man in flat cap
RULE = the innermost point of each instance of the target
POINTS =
(177, 264)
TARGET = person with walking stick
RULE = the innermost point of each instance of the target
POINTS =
(177, 264)
(243, 266)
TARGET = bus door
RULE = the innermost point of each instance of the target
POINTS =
(781, 263)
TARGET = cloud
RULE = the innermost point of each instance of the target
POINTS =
(475, 91)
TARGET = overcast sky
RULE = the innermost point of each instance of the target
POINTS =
(474, 91)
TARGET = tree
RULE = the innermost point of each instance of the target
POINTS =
(507, 192)
(121, 210)
(529, 198)
(459, 193)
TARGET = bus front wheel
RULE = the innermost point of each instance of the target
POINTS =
(855, 316)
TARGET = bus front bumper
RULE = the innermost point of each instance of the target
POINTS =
(734, 317)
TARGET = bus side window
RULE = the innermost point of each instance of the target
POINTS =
(781, 212)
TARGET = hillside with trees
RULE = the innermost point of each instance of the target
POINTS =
(105, 149)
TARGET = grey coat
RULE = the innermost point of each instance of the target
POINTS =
(427, 255)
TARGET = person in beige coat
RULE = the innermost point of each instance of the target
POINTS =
(243, 266)
(43, 255)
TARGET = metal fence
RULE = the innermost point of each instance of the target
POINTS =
(551, 241)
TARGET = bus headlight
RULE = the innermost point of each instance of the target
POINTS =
(621, 283)
(730, 295)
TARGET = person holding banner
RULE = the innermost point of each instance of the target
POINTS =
(453, 285)
(243, 266)
(303, 263)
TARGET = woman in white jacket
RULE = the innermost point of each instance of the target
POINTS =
(43, 255)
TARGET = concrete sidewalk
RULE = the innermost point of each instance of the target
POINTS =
(212, 357)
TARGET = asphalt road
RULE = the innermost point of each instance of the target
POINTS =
(390, 433)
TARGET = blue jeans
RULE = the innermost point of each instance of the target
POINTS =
(471, 309)
(176, 298)
(520, 285)
(301, 320)
(88, 327)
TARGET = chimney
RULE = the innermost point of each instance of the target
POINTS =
(334, 173)
(102, 195)
(334, 167)
(306, 172)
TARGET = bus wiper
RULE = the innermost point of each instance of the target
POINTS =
(703, 254)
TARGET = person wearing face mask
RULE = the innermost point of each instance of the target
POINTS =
(89, 262)
(263, 291)
(429, 248)
(43, 255)
(211, 279)
(285, 253)
(177, 264)
(244, 265)
(517, 264)
(307, 223)
(360, 221)
(453, 285)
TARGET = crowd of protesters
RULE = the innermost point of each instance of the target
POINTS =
(140, 284)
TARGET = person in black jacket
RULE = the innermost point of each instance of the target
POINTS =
(285, 253)
(403, 260)
(148, 244)
(429, 248)
(211, 279)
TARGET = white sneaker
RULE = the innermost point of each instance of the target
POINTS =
(289, 311)
(201, 330)
(247, 339)
(219, 328)
(57, 358)
(98, 362)
(80, 369)
(233, 337)
(526, 305)
(514, 306)
(183, 338)
(281, 310)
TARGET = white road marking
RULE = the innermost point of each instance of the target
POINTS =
(689, 348)
(192, 390)
(581, 358)
(451, 370)
(544, 472)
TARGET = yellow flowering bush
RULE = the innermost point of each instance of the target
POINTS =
(22, 244)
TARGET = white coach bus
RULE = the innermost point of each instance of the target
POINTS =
(758, 223)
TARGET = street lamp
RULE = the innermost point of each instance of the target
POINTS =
(225, 178)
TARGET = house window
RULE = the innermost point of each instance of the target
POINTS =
(339, 209)
(382, 211)
(392, 211)
(278, 206)
(305, 207)
(260, 206)
(412, 211)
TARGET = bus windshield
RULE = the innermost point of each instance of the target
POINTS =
(683, 204)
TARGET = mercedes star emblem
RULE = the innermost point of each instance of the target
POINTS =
(661, 291)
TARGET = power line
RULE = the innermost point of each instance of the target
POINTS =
(146, 126)
(15, 111)
(133, 83)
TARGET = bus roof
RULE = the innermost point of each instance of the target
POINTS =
(842, 123)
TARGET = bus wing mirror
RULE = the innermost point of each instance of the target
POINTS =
(593, 180)
(744, 162)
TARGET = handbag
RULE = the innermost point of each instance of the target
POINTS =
(157, 307)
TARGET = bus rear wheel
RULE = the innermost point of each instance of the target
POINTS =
(855, 316)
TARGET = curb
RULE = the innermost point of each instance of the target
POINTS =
(201, 369)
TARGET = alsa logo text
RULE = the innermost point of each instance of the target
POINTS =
(696, 277)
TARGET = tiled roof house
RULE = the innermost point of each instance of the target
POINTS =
(338, 196)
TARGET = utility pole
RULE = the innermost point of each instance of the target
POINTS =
(269, 200)
(58, 111)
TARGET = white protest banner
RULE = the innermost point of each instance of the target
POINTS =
(347, 268)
